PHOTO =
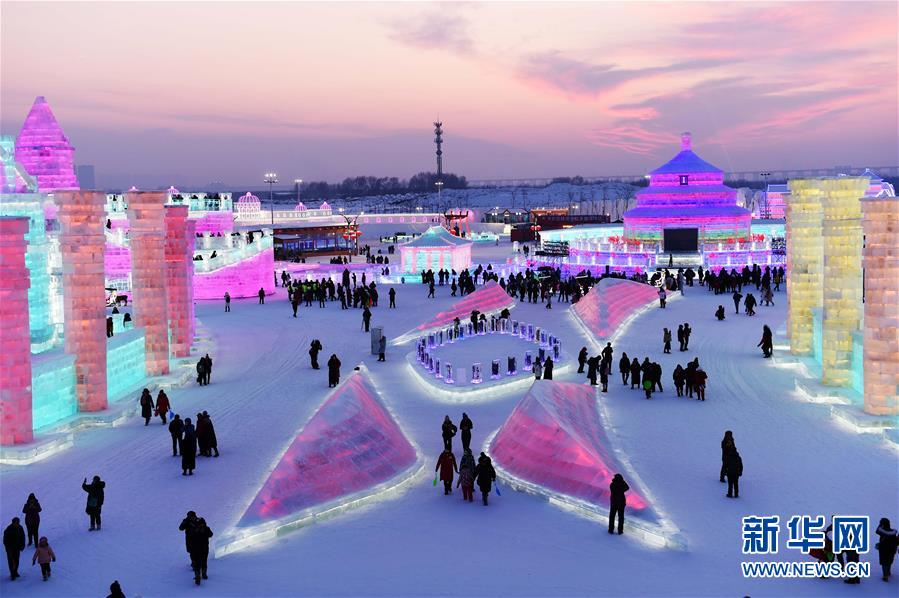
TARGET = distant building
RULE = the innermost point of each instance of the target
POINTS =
(86, 176)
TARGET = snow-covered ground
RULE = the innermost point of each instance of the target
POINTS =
(797, 461)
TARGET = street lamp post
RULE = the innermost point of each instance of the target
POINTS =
(271, 178)
(766, 214)
(298, 182)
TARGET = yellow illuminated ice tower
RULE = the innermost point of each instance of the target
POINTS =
(805, 261)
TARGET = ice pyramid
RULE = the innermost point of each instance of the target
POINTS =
(611, 302)
(44, 150)
(489, 298)
(554, 439)
(351, 448)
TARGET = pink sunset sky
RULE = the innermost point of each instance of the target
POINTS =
(188, 93)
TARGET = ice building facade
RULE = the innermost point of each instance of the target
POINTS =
(44, 150)
(435, 249)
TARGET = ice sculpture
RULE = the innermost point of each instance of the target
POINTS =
(146, 217)
(13, 176)
(610, 303)
(489, 298)
(82, 243)
(15, 346)
(842, 232)
(350, 447)
(687, 192)
(44, 150)
(179, 252)
(241, 279)
(554, 439)
(805, 261)
(435, 249)
(881, 328)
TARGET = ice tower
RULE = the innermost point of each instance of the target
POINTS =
(44, 150)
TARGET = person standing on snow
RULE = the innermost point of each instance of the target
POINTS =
(95, 496)
(466, 475)
(548, 369)
(666, 339)
(382, 347)
(188, 448)
(767, 342)
(32, 511)
(14, 544)
(485, 475)
(635, 374)
(333, 371)
(188, 525)
(617, 502)
(314, 347)
(448, 430)
(366, 319)
(687, 332)
(146, 406)
(446, 465)
(581, 360)
(227, 301)
(198, 547)
(727, 445)
(733, 469)
(176, 430)
(466, 426)
(392, 295)
(207, 370)
(624, 367)
(261, 296)
(886, 547)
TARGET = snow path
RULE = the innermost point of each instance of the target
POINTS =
(797, 460)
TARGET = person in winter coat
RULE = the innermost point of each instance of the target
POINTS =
(261, 294)
(207, 373)
(188, 448)
(146, 406)
(727, 445)
(719, 313)
(448, 430)
(176, 430)
(617, 502)
(14, 544)
(210, 442)
(666, 340)
(44, 555)
(333, 371)
(736, 297)
(624, 367)
(446, 465)
(32, 511)
(581, 360)
(767, 342)
(548, 369)
(485, 475)
(188, 526)
(604, 370)
(663, 296)
(382, 347)
(886, 547)
(680, 336)
(95, 495)
(115, 590)
(750, 304)
(314, 347)
(593, 369)
(198, 547)
(635, 374)
(466, 475)
(391, 294)
(200, 427)
(733, 469)
(678, 376)
(366, 319)
(647, 386)
(687, 332)
(700, 378)
(162, 405)
(227, 301)
(466, 425)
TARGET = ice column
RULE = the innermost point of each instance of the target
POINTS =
(805, 257)
(15, 344)
(179, 252)
(82, 243)
(146, 218)
(842, 232)
(881, 263)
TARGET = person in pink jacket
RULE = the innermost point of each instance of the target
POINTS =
(43, 554)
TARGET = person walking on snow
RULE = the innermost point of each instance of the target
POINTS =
(333, 371)
(448, 430)
(727, 445)
(663, 296)
(624, 367)
(162, 406)
(32, 511)
(13, 544)
(548, 369)
(466, 425)
(95, 495)
(466, 475)
(886, 546)
(446, 465)
(146, 406)
(261, 296)
(767, 342)
(485, 475)
(198, 548)
(44, 555)
(581, 360)
(617, 502)
(382, 347)
(666, 339)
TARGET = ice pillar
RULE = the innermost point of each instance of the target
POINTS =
(146, 218)
(805, 257)
(842, 233)
(881, 328)
(179, 253)
(82, 243)
(15, 344)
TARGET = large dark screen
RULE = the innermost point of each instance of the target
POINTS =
(681, 240)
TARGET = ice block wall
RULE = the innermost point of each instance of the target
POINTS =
(881, 328)
(179, 252)
(82, 243)
(805, 261)
(15, 343)
(842, 289)
(146, 218)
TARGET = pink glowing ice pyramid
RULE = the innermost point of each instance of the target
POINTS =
(489, 298)
(555, 440)
(612, 301)
(44, 150)
(351, 445)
